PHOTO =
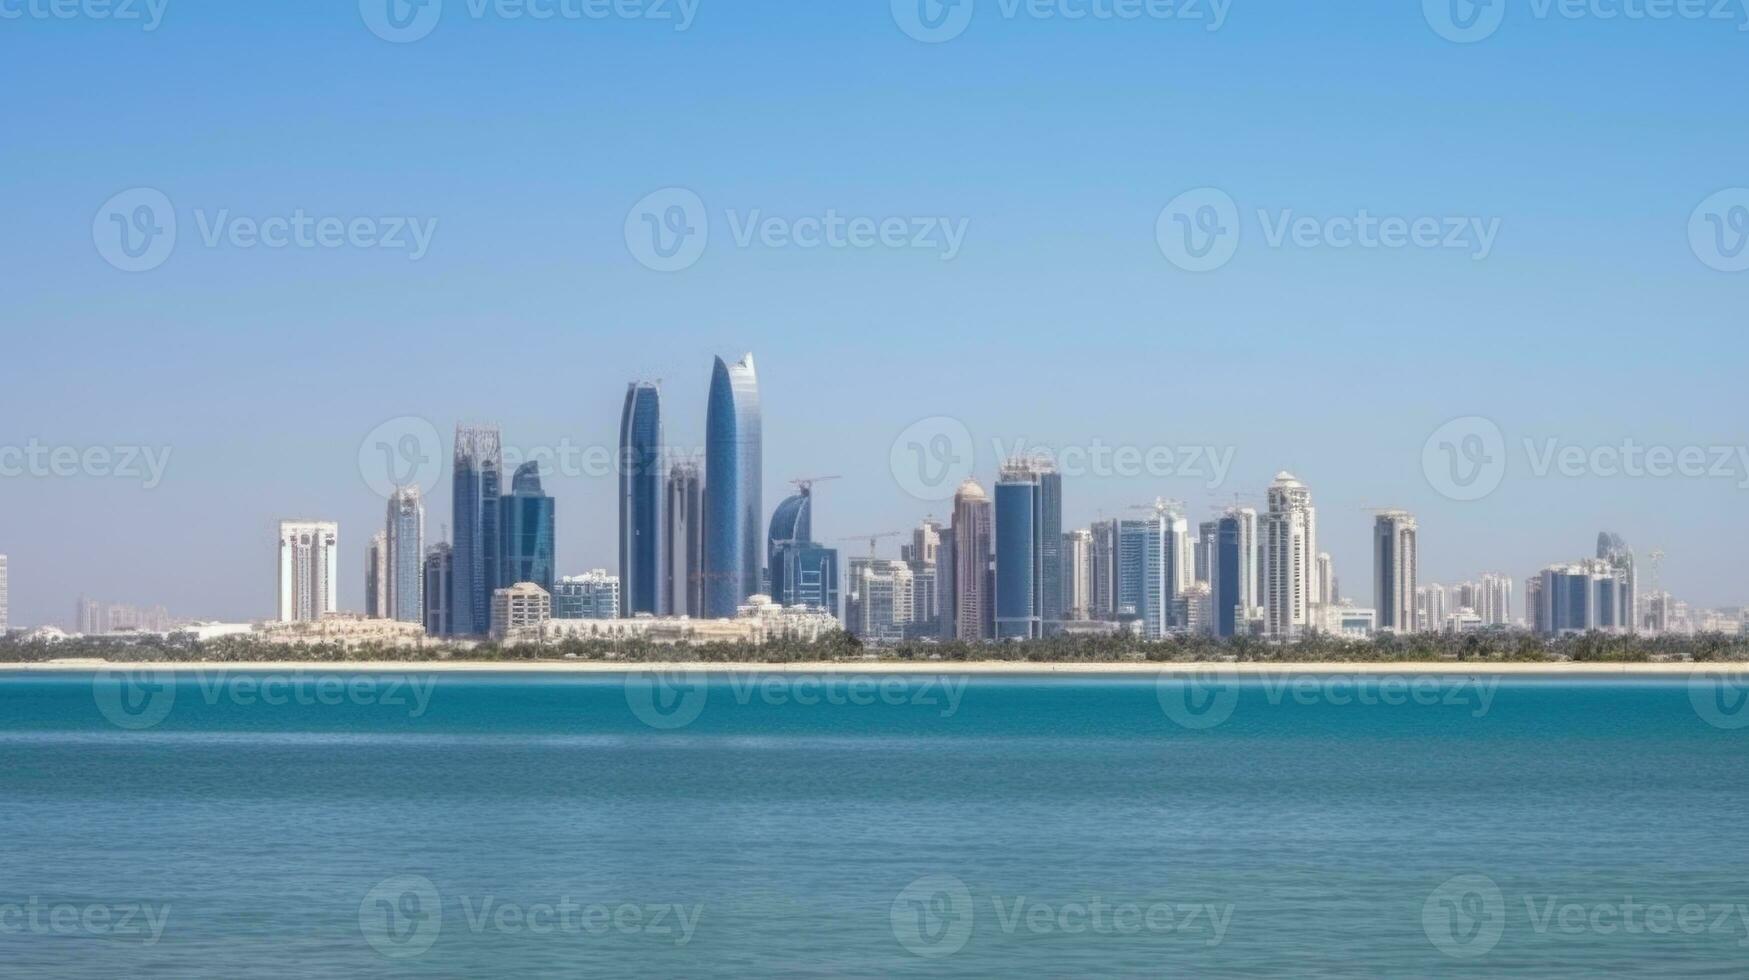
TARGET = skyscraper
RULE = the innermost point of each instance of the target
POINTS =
(733, 474)
(477, 482)
(1207, 534)
(974, 572)
(1141, 576)
(641, 499)
(526, 531)
(1496, 609)
(376, 577)
(309, 569)
(683, 535)
(878, 605)
(1395, 560)
(1329, 590)
(805, 573)
(404, 561)
(1102, 557)
(1050, 548)
(1231, 576)
(5, 599)
(1078, 575)
(1179, 554)
(1019, 560)
(1612, 549)
(439, 589)
(1430, 608)
(923, 556)
(1290, 547)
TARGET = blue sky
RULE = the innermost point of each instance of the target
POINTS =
(1591, 141)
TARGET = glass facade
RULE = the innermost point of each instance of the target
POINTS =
(641, 499)
(733, 472)
(793, 521)
(1017, 557)
(476, 484)
(1053, 568)
(405, 560)
(805, 574)
(526, 521)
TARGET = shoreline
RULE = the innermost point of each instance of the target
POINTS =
(985, 667)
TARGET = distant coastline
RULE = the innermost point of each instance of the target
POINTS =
(893, 667)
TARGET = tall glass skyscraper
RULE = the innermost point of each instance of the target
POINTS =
(439, 601)
(641, 498)
(1141, 575)
(477, 480)
(1018, 553)
(683, 536)
(405, 559)
(733, 471)
(526, 531)
(1052, 564)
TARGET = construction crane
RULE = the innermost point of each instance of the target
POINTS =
(805, 484)
(874, 539)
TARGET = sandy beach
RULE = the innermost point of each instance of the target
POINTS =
(895, 667)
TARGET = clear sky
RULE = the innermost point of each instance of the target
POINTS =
(1061, 319)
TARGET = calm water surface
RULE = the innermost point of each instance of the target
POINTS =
(490, 825)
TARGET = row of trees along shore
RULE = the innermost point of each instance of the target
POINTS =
(1481, 648)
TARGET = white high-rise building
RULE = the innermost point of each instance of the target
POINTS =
(1326, 579)
(309, 569)
(878, 600)
(1430, 608)
(1395, 561)
(5, 599)
(1496, 595)
(1290, 548)
(1078, 575)
(404, 559)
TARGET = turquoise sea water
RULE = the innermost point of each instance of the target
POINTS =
(496, 825)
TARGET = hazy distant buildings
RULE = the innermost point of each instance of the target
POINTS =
(309, 570)
(1290, 546)
(1594, 594)
(1329, 589)
(923, 557)
(683, 540)
(1430, 608)
(376, 576)
(439, 589)
(526, 529)
(592, 596)
(642, 497)
(1620, 558)
(1078, 575)
(973, 566)
(1496, 596)
(1395, 560)
(732, 487)
(476, 482)
(404, 558)
(519, 607)
(5, 599)
(878, 603)
(1102, 551)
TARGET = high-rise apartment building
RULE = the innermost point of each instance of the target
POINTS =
(376, 576)
(1102, 572)
(439, 591)
(1329, 590)
(591, 596)
(974, 584)
(683, 538)
(1496, 608)
(733, 555)
(1207, 533)
(1290, 548)
(642, 497)
(1078, 575)
(1142, 594)
(923, 556)
(878, 603)
(518, 607)
(1395, 560)
(1431, 608)
(309, 569)
(476, 483)
(404, 559)
(527, 528)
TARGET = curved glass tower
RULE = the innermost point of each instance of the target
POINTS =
(731, 488)
(526, 531)
(791, 521)
(640, 501)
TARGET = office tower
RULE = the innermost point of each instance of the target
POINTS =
(1326, 575)
(878, 607)
(526, 531)
(1142, 559)
(376, 576)
(1078, 575)
(309, 569)
(1102, 559)
(946, 587)
(683, 538)
(1290, 547)
(733, 472)
(1533, 604)
(922, 556)
(1179, 554)
(804, 573)
(5, 599)
(405, 558)
(1231, 575)
(439, 589)
(591, 596)
(519, 607)
(1395, 560)
(1018, 553)
(1593, 594)
(641, 499)
(974, 568)
(1050, 548)
(791, 522)
(1430, 608)
(1613, 550)
(1206, 535)
(477, 482)
(1496, 594)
